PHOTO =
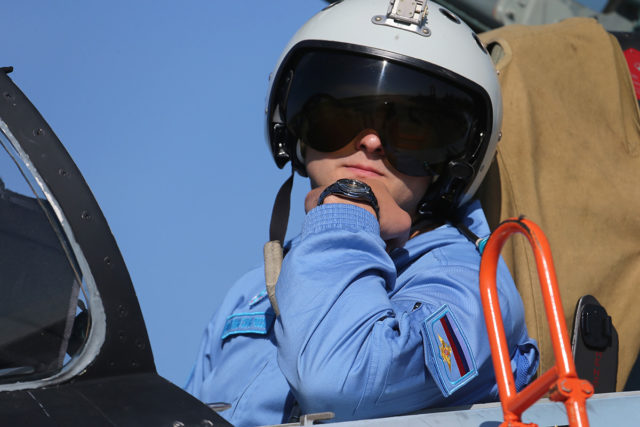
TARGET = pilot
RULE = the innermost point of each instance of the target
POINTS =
(394, 115)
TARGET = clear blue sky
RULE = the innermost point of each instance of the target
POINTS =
(161, 105)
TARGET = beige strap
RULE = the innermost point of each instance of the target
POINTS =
(272, 264)
(273, 252)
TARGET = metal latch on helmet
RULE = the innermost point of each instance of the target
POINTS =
(409, 15)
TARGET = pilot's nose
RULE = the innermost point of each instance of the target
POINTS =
(369, 141)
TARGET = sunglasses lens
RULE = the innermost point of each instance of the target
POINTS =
(324, 124)
(423, 120)
(419, 139)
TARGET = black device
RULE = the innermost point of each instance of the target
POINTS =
(595, 345)
(354, 190)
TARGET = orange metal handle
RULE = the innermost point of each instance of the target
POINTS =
(561, 379)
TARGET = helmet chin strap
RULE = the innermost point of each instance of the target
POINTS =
(273, 252)
(443, 193)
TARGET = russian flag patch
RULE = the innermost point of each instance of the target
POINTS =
(449, 357)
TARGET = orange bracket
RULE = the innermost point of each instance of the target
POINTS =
(561, 380)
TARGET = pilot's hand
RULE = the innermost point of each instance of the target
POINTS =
(395, 223)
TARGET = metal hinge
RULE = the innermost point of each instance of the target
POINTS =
(309, 419)
(219, 406)
(410, 15)
(408, 11)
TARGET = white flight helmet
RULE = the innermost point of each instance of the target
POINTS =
(409, 69)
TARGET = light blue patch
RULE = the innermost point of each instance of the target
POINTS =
(256, 299)
(248, 323)
(448, 355)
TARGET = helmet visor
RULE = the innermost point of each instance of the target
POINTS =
(423, 120)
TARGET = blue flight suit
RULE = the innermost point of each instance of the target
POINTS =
(361, 332)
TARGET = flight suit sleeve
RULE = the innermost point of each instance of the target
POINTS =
(347, 346)
(203, 365)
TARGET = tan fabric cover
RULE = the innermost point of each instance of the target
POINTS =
(569, 160)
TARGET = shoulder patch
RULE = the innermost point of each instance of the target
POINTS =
(448, 355)
(248, 323)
